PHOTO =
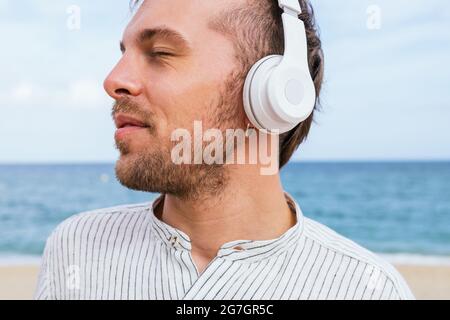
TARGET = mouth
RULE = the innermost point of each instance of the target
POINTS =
(127, 124)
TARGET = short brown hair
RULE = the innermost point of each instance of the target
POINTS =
(256, 29)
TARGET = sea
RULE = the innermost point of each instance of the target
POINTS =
(400, 210)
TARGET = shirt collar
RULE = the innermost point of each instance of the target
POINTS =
(248, 250)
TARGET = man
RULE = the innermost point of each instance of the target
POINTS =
(218, 230)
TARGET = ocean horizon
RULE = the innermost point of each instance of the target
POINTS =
(398, 209)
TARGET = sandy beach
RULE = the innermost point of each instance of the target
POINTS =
(426, 282)
(18, 282)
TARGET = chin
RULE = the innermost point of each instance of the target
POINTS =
(126, 162)
(141, 171)
(126, 171)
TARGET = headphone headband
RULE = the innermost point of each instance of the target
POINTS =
(290, 6)
(279, 92)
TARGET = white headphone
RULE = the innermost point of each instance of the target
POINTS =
(279, 92)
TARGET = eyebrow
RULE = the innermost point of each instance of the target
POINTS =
(161, 33)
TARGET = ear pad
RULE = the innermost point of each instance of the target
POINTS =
(277, 97)
(255, 90)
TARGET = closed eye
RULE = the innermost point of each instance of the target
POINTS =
(155, 54)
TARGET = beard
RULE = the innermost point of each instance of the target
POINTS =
(154, 170)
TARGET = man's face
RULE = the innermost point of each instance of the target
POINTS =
(174, 70)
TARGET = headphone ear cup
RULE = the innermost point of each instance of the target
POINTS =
(256, 101)
(278, 97)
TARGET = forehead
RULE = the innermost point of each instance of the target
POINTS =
(189, 17)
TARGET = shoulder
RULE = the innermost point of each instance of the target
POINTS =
(372, 268)
(76, 242)
(89, 225)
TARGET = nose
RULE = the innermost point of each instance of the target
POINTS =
(122, 81)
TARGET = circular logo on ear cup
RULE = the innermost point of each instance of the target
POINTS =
(294, 91)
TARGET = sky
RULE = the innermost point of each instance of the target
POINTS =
(386, 94)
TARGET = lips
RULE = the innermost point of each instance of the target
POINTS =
(123, 121)
(127, 124)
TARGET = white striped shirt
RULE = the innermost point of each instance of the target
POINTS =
(126, 252)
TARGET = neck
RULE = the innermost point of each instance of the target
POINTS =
(251, 207)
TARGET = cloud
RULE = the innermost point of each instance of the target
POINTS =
(385, 93)
(86, 93)
(80, 94)
(22, 92)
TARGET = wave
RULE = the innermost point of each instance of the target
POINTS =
(393, 258)
(19, 260)
(416, 259)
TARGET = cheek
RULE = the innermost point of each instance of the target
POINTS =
(183, 93)
(180, 102)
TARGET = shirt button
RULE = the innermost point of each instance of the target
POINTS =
(174, 241)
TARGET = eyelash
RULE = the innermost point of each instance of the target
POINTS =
(158, 54)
